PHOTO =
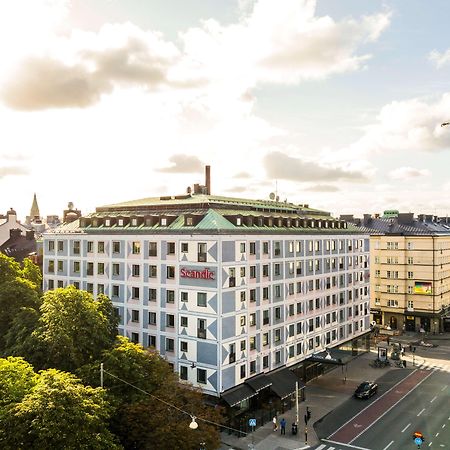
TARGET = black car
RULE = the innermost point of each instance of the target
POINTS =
(366, 389)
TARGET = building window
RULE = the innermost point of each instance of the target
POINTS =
(243, 345)
(136, 248)
(152, 340)
(277, 291)
(252, 342)
(100, 289)
(201, 376)
(135, 338)
(265, 362)
(265, 339)
(163, 221)
(60, 266)
(242, 271)
(242, 321)
(253, 295)
(201, 252)
(152, 249)
(152, 318)
(76, 266)
(242, 247)
(60, 246)
(100, 268)
(170, 320)
(276, 269)
(410, 304)
(232, 277)
(51, 246)
(90, 246)
(184, 296)
(201, 299)
(277, 357)
(265, 270)
(100, 247)
(252, 367)
(266, 319)
(115, 290)
(201, 328)
(116, 269)
(252, 271)
(170, 296)
(410, 275)
(183, 346)
(116, 247)
(252, 319)
(135, 293)
(76, 247)
(277, 313)
(171, 248)
(410, 290)
(242, 370)
(170, 345)
(135, 315)
(90, 268)
(171, 272)
(183, 372)
(252, 248)
(265, 293)
(152, 271)
(392, 303)
(277, 336)
(183, 321)
(265, 248)
(61, 285)
(152, 294)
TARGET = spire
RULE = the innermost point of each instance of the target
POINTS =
(34, 212)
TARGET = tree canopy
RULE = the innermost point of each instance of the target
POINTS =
(73, 328)
(56, 412)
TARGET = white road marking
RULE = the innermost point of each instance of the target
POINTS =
(347, 445)
(444, 388)
(433, 399)
(387, 446)
(421, 412)
(406, 427)
(437, 434)
(443, 426)
(429, 445)
(321, 447)
(331, 448)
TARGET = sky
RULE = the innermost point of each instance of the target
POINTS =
(336, 104)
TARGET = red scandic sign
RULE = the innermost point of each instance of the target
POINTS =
(204, 274)
(352, 429)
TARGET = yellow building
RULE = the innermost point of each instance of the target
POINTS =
(409, 271)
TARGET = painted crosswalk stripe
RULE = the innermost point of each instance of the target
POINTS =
(321, 447)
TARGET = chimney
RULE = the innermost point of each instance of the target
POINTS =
(29, 235)
(367, 219)
(14, 233)
(208, 180)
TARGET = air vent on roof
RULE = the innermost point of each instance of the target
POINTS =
(167, 197)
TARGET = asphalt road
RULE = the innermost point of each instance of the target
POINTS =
(418, 403)
(425, 409)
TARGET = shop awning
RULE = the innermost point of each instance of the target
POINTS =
(259, 382)
(283, 382)
(332, 356)
(237, 394)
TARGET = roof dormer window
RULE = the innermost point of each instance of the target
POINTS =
(107, 222)
(120, 222)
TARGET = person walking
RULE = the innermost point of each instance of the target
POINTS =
(275, 425)
(283, 426)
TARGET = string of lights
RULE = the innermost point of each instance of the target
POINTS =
(193, 423)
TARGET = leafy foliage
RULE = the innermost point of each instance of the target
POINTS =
(74, 328)
(58, 412)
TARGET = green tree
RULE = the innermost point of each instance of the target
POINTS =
(17, 377)
(143, 421)
(32, 272)
(58, 413)
(15, 294)
(9, 269)
(73, 328)
(131, 362)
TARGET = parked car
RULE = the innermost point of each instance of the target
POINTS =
(366, 389)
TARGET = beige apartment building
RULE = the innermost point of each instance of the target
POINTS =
(409, 270)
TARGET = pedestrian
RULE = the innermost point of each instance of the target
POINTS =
(388, 340)
(275, 425)
(283, 426)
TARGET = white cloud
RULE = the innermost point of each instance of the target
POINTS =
(281, 166)
(440, 59)
(406, 173)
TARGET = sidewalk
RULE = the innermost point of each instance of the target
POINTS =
(322, 396)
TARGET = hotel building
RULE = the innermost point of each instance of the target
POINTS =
(227, 290)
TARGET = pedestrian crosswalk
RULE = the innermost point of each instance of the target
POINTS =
(443, 367)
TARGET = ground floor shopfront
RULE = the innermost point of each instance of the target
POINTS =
(267, 395)
(415, 321)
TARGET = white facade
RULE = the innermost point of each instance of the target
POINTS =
(222, 308)
(8, 223)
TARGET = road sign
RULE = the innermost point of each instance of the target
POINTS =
(252, 422)
(418, 440)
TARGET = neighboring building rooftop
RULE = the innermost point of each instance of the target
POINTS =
(403, 224)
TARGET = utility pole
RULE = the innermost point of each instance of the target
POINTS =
(296, 402)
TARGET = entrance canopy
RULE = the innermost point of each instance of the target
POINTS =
(331, 356)
(283, 382)
(259, 382)
(238, 394)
